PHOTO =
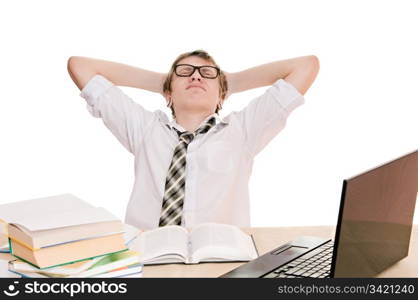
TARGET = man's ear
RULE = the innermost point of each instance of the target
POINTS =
(221, 103)
(228, 93)
(167, 96)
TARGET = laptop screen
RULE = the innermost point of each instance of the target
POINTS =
(375, 218)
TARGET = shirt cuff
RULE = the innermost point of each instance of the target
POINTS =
(286, 94)
(94, 88)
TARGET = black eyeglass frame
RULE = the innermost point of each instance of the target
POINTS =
(198, 69)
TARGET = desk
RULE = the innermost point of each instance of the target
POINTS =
(267, 239)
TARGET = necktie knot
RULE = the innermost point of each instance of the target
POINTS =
(187, 136)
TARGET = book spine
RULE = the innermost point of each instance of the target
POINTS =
(10, 246)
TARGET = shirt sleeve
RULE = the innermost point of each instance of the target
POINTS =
(265, 116)
(126, 119)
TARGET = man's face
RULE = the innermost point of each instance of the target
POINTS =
(194, 93)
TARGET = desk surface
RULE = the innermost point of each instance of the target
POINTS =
(267, 239)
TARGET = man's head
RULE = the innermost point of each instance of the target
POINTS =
(195, 83)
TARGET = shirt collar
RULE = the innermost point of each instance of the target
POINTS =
(173, 124)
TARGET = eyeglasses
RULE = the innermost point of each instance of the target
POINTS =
(185, 70)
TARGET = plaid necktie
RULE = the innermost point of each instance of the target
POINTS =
(172, 207)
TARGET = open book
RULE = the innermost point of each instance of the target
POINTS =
(208, 242)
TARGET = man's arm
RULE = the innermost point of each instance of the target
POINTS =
(300, 72)
(82, 69)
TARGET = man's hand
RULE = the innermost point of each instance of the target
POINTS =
(82, 69)
(230, 81)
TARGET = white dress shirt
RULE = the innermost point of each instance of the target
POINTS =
(219, 162)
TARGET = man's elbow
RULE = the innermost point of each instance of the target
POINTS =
(304, 75)
(80, 70)
(311, 70)
(313, 63)
(71, 65)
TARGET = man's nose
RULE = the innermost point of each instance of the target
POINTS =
(196, 75)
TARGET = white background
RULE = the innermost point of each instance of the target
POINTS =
(360, 112)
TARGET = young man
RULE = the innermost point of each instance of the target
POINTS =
(195, 168)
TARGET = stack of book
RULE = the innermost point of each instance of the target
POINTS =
(64, 236)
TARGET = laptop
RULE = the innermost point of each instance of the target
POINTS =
(373, 230)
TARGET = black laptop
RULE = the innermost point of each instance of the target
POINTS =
(373, 230)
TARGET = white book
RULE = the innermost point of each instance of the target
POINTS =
(56, 211)
(130, 233)
(51, 221)
(208, 242)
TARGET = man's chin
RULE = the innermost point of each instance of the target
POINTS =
(195, 91)
(197, 109)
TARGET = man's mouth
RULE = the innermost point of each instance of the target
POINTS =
(195, 86)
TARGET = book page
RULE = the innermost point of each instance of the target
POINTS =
(218, 242)
(15, 212)
(67, 218)
(4, 243)
(130, 234)
(4, 270)
(162, 245)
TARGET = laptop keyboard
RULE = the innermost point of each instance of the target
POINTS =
(314, 264)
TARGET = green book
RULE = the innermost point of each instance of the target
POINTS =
(86, 268)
